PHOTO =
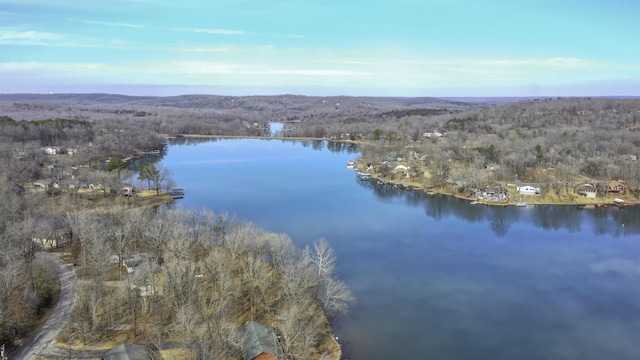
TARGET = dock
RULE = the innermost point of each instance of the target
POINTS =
(177, 193)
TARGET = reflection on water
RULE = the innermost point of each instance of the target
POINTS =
(435, 277)
(135, 163)
(605, 221)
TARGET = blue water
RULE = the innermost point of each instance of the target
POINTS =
(435, 277)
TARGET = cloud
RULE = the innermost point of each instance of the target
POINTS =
(48, 39)
(623, 267)
(295, 68)
(228, 32)
(28, 36)
(108, 23)
(212, 31)
(196, 49)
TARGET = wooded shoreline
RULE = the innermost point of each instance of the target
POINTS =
(418, 184)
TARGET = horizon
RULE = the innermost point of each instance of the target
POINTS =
(552, 97)
(372, 48)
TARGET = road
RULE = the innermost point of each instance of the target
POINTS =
(37, 346)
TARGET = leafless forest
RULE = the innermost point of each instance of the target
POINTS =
(597, 137)
(199, 275)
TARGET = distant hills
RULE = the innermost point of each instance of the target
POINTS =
(248, 108)
(265, 101)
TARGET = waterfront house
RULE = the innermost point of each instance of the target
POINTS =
(492, 193)
(616, 187)
(528, 189)
(401, 170)
(588, 190)
(259, 342)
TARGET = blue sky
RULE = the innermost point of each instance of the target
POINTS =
(314, 47)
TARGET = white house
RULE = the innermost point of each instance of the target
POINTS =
(401, 169)
(53, 150)
(587, 190)
(432, 135)
(528, 189)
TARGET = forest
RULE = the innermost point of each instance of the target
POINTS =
(596, 138)
(190, 279)
(171, 279)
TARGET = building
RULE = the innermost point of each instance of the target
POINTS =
(587, 190)
(528, 189)
(492, 193)
(53, 150)
(128, 352)
(617, 187)
(259, 342)
(402, 170)
(432, 135)
(43, 183)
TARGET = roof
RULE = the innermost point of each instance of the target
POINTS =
(586, 187)
(43, 182)
(527, 185)
(615, 183)
(257, 339)
(128, 352)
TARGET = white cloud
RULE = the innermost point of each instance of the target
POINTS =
(108, 23)
(229, 32)
(48, 39)
(271, 67)
(212, 31)
(28, 36)
(196, 49)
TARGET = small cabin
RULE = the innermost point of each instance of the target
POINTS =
(259, 342)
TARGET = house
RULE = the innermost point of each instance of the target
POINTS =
(402, 170)
(587, 190)
(131, 262)
(53, 150)
(528, 189)
(432, 135)
(128, 352)
(493, 193)
(43, 183)
(259, 342)
(617, 187)
(127, 189)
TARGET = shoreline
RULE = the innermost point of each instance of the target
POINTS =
(575, 200)
(511, 199)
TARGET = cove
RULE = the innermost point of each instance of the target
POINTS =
(435, 277)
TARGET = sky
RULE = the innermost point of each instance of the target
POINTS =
(441, 48)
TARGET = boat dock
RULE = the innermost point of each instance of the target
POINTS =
(177, 193)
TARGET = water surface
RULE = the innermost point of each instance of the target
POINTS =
(435, 277)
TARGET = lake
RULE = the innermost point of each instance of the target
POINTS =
(435, 277)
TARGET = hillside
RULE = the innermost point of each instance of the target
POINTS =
(271, 108)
